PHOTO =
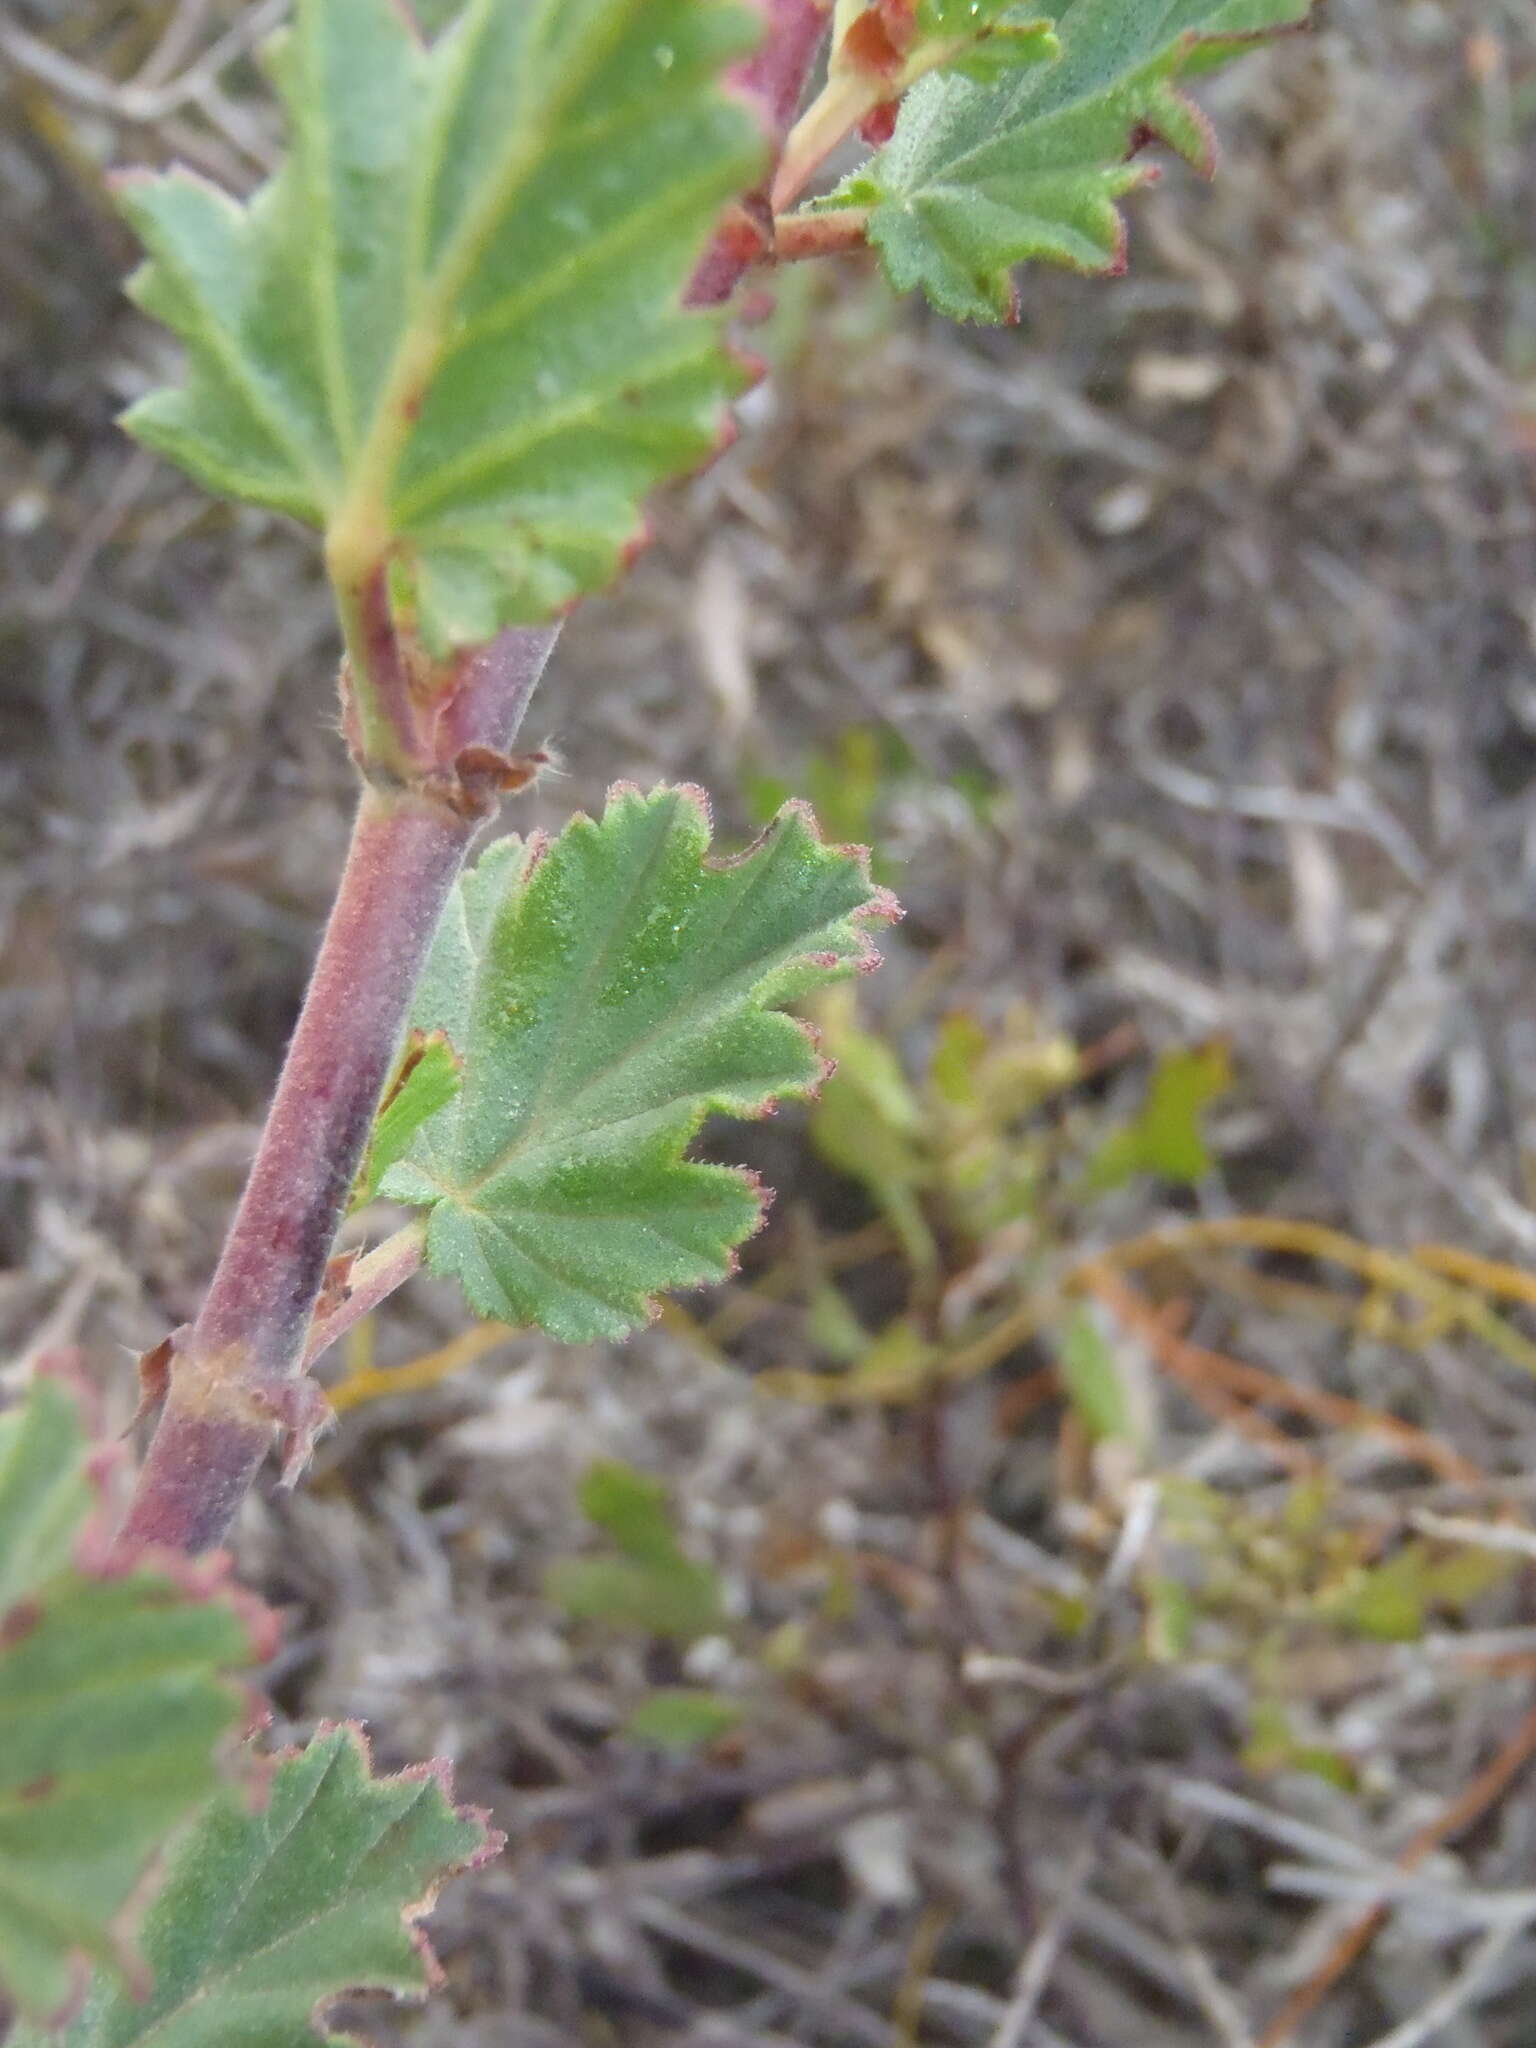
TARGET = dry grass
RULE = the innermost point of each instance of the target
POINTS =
(1224, 574)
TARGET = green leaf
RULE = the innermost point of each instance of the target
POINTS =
(266, 1918)
(1166, 1138)
(1092, 1381)
(985, 39)
(899, 1356)
(980, 176)
(426, 1080)
(632, 1508)
(449, 330)
(1273, 1745)
(606, 992)
(676, 1718)
(832, 1326)
(880, 51)
(959, 1048)
(1385, 1602)
(116, 1704)
(1391, 1601)
(653, 1584)
(868, 1124)
(1171, 1619)
(681, 1604)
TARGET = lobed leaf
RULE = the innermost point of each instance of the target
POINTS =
(267, 1918)
(980, 174)
(605, 993)
(449, 330)
(116, 1700)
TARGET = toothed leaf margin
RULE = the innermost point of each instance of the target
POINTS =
(979, 176)
(268, 1917)
(119, 1705)
(606, 992)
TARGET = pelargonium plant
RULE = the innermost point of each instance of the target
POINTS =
(481, 311)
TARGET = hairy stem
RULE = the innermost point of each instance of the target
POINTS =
(236, 1376)
(372, 1280)
(774, 79)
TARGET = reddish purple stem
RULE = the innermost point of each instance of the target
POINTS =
(234, 1376)
(774, 79)
(775, 75)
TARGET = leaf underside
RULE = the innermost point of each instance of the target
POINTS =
(115, 1702)
(980, 176)
(605, 993)
(454, 315)
(266, 1918)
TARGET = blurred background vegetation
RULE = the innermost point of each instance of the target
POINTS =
(1074, 1589)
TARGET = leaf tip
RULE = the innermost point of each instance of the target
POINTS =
(825, 1064)
(485, 1842)
(690, 793)
(762, 1195)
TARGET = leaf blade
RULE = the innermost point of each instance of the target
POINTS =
(117, 1694)
(450, 330)
(981, 175)
(607, 993)
(267, 1918)
(427, 1079)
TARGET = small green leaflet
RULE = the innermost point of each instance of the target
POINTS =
(425, 1081)
(868, 1124)
(605, 993)
(980, 176)
(653, 1584)
(679, 1719)
(985, 39)
(117, 1699)
(1092, 1380)
(266, 1918)
(1166, 1137)
(449, 330)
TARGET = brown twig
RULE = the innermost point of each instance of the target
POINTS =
(799, 236)
(375, 1383)
(1196, 1363)
(1489, 1786)
(1378, 1268)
